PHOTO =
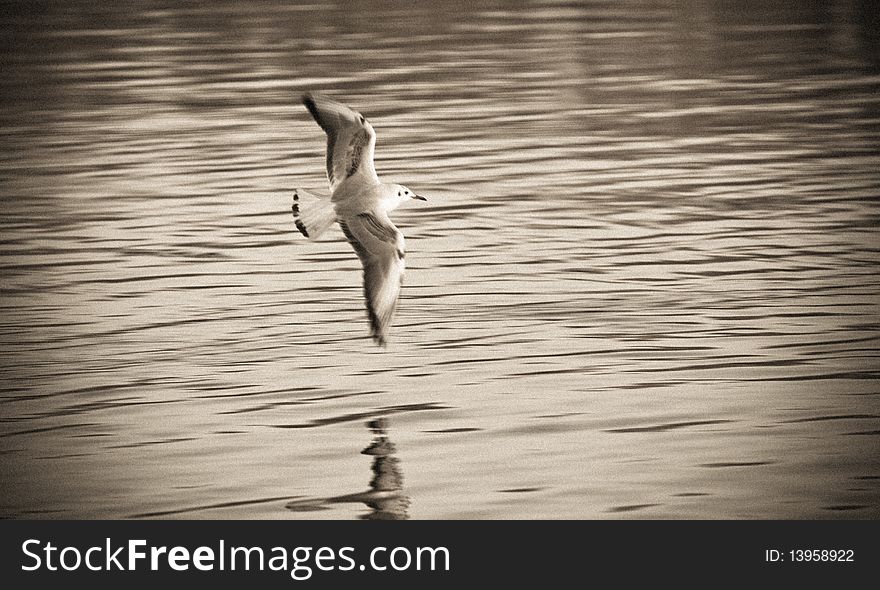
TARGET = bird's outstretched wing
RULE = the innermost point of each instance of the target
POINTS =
(380, 246)
(350, 139)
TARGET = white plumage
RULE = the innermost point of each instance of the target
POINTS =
(360, 203)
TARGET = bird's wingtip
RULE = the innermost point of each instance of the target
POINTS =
(310, 104)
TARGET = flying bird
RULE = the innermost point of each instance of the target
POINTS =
(360, 203)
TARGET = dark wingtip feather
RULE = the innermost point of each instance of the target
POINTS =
(302, 228)
(309, 102)
(375, 329)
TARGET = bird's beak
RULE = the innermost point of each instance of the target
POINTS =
(419, 197)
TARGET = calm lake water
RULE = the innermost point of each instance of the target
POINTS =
(646, 283)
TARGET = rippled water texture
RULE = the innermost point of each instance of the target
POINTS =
(645, 284)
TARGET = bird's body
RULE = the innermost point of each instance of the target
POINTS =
(352, 197)
(360, 203)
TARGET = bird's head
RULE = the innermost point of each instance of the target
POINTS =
(405, 194)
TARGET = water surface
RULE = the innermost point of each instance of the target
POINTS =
(645, 284)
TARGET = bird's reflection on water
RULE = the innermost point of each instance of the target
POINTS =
(385, 498)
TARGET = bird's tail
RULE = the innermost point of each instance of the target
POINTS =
(312, 214)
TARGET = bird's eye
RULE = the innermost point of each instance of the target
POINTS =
(406, 192)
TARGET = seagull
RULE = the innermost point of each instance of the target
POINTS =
(360, 203)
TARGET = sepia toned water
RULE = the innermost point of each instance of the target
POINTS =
(645, 283)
